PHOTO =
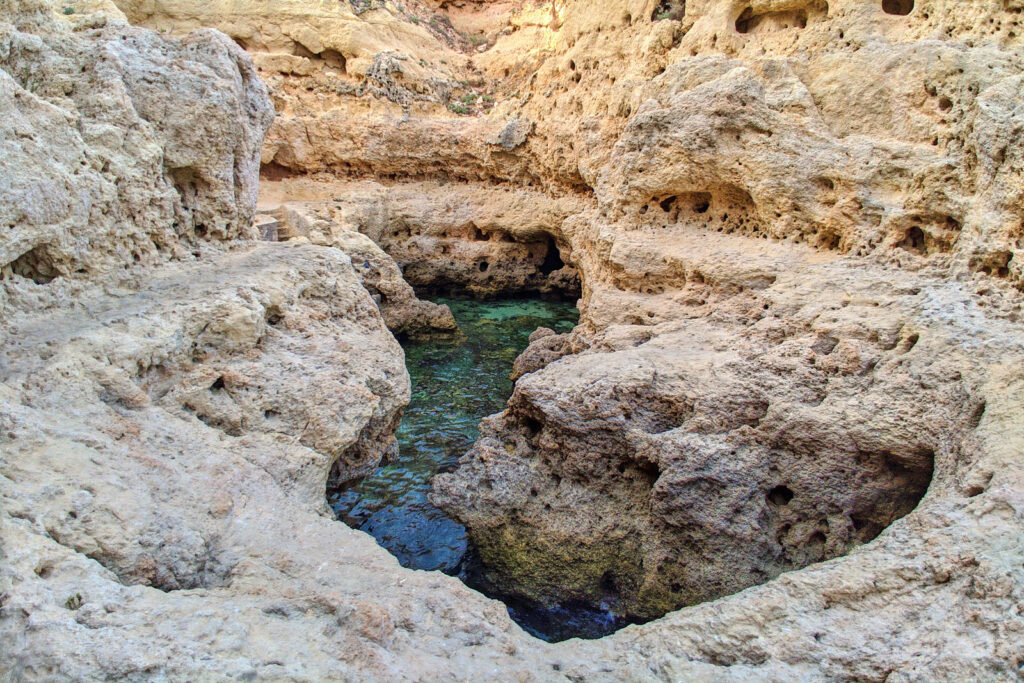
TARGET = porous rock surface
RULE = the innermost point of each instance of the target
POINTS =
(483, 241)
(797, 230)
(403, 313)
(103, 167)
(170, 415)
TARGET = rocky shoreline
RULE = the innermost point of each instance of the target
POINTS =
(789, 419)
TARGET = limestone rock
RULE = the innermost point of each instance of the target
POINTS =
(122, 147)
(403, 312)
(796, 232)
(447, 238)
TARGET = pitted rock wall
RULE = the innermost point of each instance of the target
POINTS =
(122, 147)
(797, 228)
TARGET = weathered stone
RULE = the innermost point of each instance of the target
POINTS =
(797, 230)
(403, 312)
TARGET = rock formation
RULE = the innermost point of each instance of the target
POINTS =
(791, 411)
(403, 312)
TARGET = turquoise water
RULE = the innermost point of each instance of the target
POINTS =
(455, 383)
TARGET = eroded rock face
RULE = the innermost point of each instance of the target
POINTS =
(122, 147)
(404, 313)
(797, 228)
(145, 383)
(487, 242)
(167, 426)
(666, 465)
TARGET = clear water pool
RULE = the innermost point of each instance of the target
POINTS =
(455, 383)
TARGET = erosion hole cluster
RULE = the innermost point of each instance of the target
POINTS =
(686, 549)
(726, 209)
(926, 234)
(462, 258)
(676, 502)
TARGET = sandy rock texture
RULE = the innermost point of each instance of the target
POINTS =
(168, 425)
(104, 166)
(404, 313)
(792, 408)
(165, 452)
(483, 241)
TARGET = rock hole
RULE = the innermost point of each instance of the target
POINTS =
(744, 21)
(275, 171)
(914, 241)
(749, 22)
(334, 60)
(483, 266)
(898, 7)
(273, 315)
(533, 426)
(300, 50)
(779, 496)
(649, 470)
(44, 570)
(37, 264)
(669, 9)
(975, 419)
(218, 384)
(552, 258)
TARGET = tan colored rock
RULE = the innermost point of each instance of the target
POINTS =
(446, 238)
(105, 165)
(797, 228)
(283, 63)
(403, 312)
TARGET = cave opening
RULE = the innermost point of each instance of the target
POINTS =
(484, 263)
(552, 258)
